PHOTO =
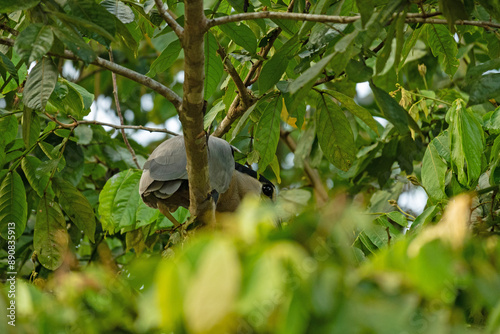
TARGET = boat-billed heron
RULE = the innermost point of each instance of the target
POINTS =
(164, 183)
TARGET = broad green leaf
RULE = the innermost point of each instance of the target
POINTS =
(334, 133)
(88, 98)
(242, 122)
(50, 238)
(443, 46)
(166, 59)
(366, 8)
(307, 79)
(93, 23)
(9, 128)
(476, 71)
(400, 32)
(76, 206)
(8, 66)
(409, 45)
(384, 54)
(453, 10)
(434, 173)
(73, 41)
(394, 113)
(37, 180)
(67, 100)
(268, 132)
(9, 6)
(31, 127)
(274, 68)
(213, 66)
(123, 12)
(40, 84)
(398, 217)
(377, 235)
(241, 35)
(13, 205)
(358, 71)
(210, 116)
(466, 141)
(218, 258)
(426, 216)
(484, 88)
(119, 201)
(492, 7)
(355, 109)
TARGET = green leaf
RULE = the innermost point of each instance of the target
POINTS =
(268, 132)
(34, 42)
(13, 205)
(210, 116)
(119, 202)
(123, 12)
(87, 97)
(398, 218)
(307, 79)
(334, 133)
(355, 109)
(73, 41)
(91, 20)
(467, 143)
(409, 45)
(484, 88)
(394, 113)
(434, 173)
(242, 122)
(358, 71)
(50, 238)
(9, 6)
(9, 66)
(366, 9)
(453, 10)
(31, 127)
(218, 257)
(9, 128)
(426, 216)
(67, 100)
(38, 180)
(40, 84)
(274, 68)
(241, 35)
(76, 206)
(213, 66)
(443, 46)
(166, 59)
(384, 54)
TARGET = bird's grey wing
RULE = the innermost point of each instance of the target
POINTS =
(168, 161)
(220, 164)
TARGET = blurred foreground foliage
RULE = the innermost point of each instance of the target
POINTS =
(250, 277)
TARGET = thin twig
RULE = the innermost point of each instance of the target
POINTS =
(169, 94)
(5, 27)
(312, 174)
(119, 112)
(245, 96)
(179, 31)
(115, 126)
(333, 19)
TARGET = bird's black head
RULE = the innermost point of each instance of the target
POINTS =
(268, 188)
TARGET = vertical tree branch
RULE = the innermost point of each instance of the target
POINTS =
(119, 112)
(191, 115)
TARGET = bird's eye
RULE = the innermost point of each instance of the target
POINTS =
(267, 190)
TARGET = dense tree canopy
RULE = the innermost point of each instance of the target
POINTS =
(279, 80)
